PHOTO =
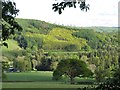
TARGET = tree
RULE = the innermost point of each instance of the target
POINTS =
(22, 42)
(70, 3)
(5, 67)
(9, 25)
(39, 54)
(22, 64)
(71, 68)
(72, 47)
(112, 83)
(45, 65)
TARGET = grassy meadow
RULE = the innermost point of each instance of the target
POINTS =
(41, 79)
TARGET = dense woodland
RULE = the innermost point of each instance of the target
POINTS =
(41, 46)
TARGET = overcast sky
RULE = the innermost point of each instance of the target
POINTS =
(101, 13)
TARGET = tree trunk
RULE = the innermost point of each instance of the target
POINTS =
(71, 80)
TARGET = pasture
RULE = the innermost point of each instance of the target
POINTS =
(41, 79)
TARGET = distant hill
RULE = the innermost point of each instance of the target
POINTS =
(52, 37)
(38, 25)
(64, 38)
(104, 29)
(98, 28)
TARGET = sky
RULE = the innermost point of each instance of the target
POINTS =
(101, 13)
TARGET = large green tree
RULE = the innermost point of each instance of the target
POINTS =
(71, 68)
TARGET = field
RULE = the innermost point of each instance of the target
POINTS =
(40, 79)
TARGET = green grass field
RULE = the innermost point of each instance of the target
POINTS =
(40, 85)
(42, 79)
(30, 76)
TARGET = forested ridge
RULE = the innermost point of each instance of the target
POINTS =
(42, 45)
(56, 37)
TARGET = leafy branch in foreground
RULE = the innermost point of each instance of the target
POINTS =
(8, 22)
(70, 3)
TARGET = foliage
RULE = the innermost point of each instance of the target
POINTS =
(95, 40)
(9, 24)
(106, 62)
(111, 83)
(45, 64)
(35, 26)
(39, 54)
(60, 38)
(72, 68)
(22, 42)
(71, 47)
(66, 3)
(5, 67)
(22, 64)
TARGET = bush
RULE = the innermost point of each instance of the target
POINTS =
(22, 64)
(45, 65)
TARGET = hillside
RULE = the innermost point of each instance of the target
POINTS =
(53, 37)
(42, 45)
(56, 37)
(38, 25)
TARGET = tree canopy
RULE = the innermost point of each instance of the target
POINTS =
(72, 68)
(9, 24)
